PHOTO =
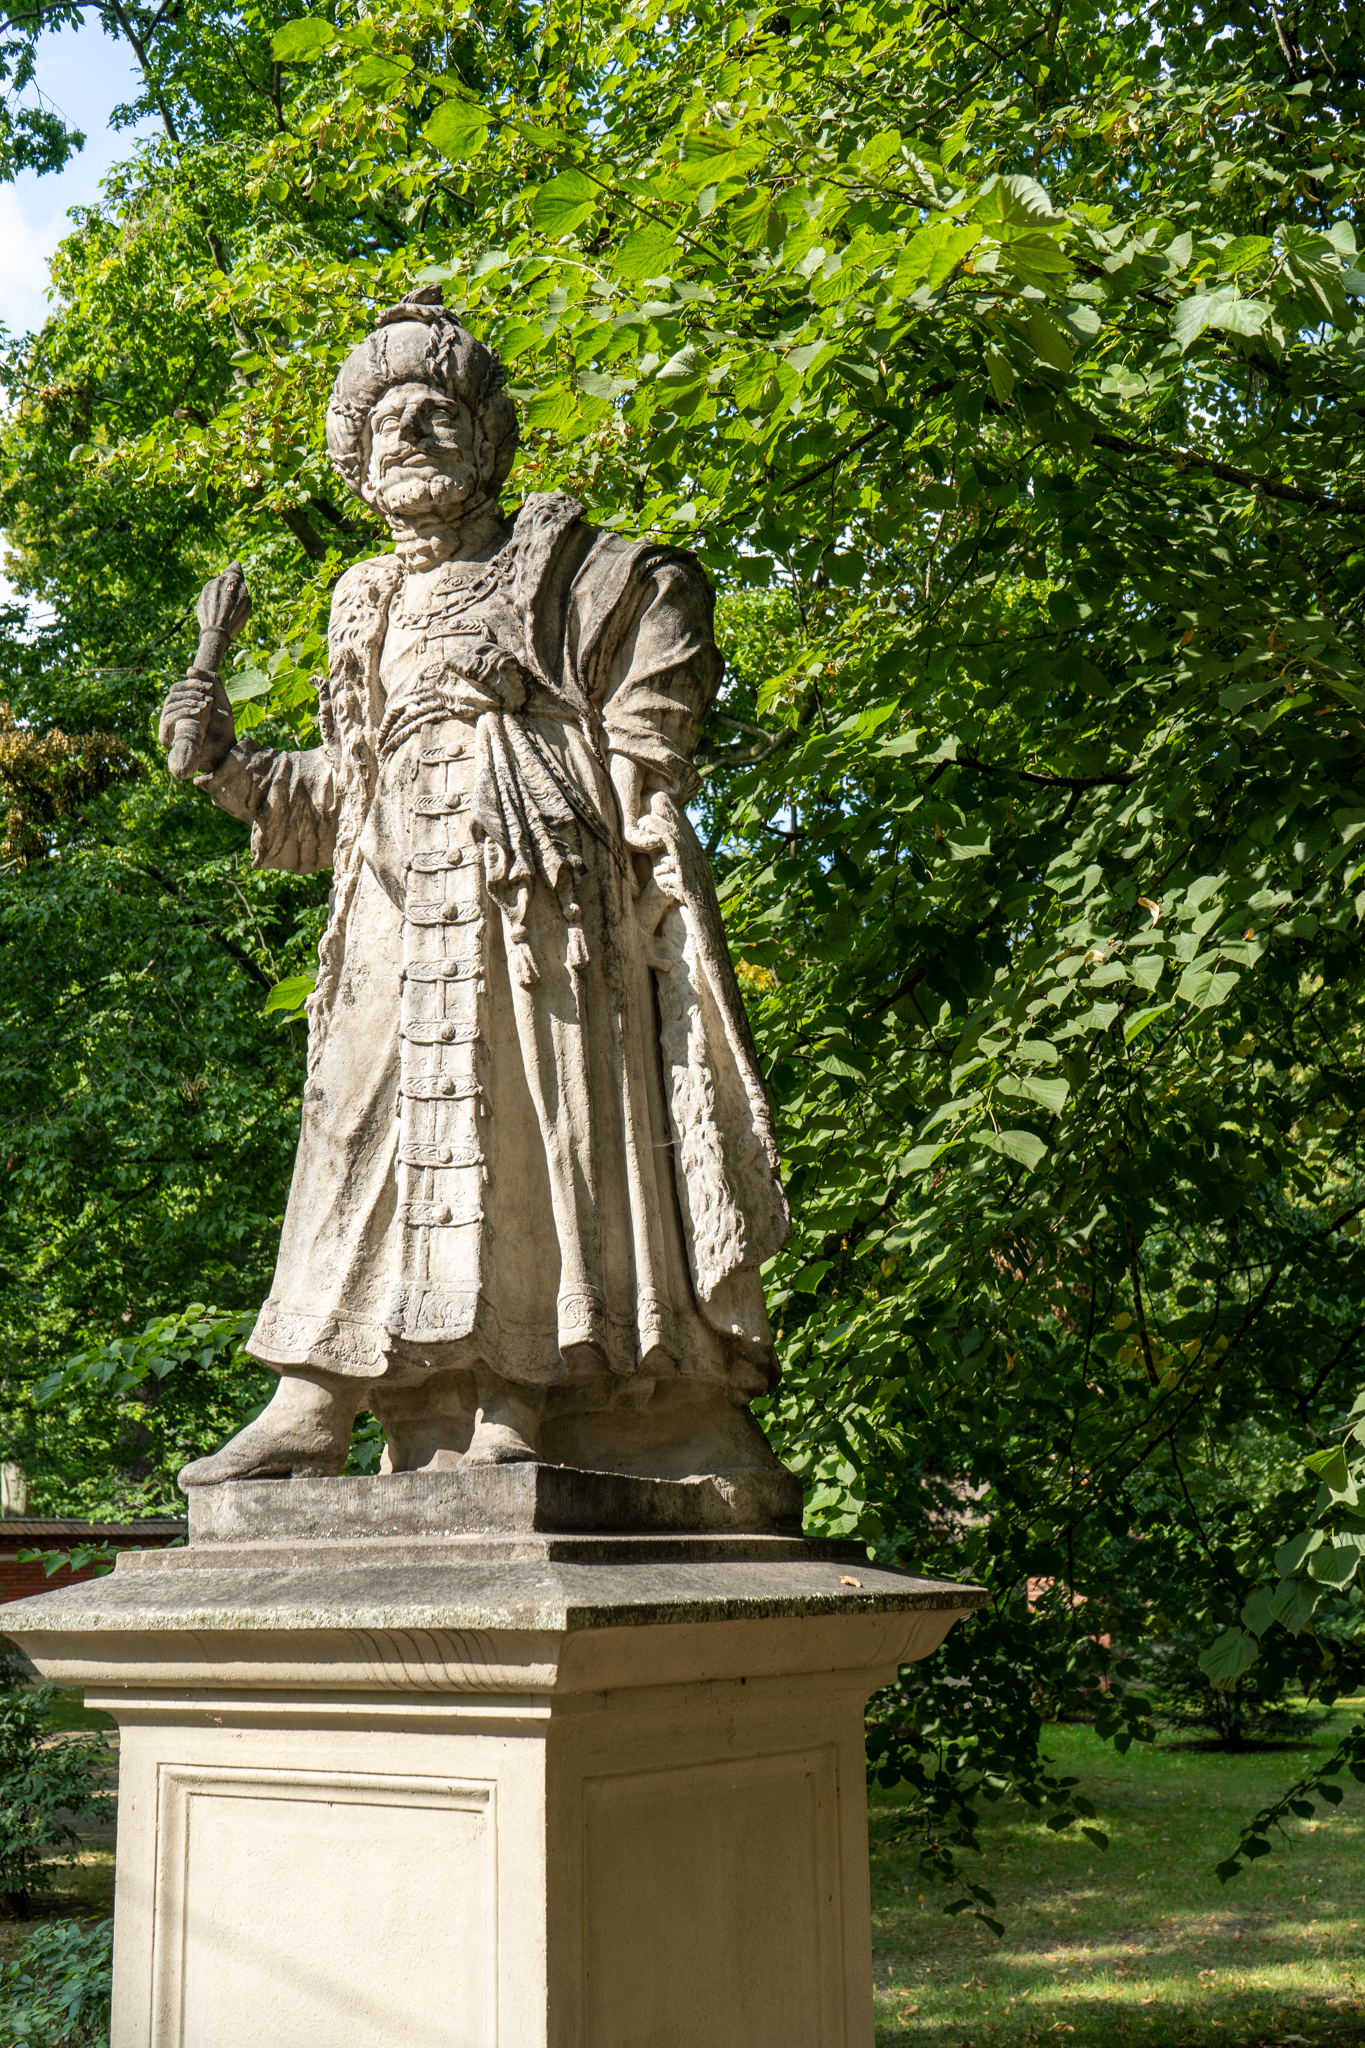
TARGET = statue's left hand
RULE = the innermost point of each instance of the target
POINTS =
(639, 830)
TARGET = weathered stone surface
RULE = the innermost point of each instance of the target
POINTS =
(537, 1177)
(288, 1553)
(606, 1798)
(492, 1499)
(182, 1591)
(363, 1618)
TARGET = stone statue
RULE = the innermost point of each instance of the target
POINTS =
(536, 1176)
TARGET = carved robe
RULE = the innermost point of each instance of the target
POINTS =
(534, 1133)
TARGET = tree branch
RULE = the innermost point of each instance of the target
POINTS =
(330, 513)
(1271, 487)
(143, 64)
(204, 924)
(1045, 781)
(808, 476)
(1138, 1304)
(312, 544)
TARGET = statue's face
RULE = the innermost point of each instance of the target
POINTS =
(424, 456)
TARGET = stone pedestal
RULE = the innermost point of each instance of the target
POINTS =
(517, 1790)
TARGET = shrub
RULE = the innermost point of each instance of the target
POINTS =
(1249, 1712)
(47, 1781)
(55, 1993)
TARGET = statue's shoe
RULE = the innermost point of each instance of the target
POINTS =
(270, 1448)
(497, 1443)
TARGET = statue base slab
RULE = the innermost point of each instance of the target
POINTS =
(494, 1499)
(605, 1794)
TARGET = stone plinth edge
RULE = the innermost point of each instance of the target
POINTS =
(473, 1626)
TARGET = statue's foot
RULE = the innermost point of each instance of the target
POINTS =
(497, 1443)
(506, 1423)
(304, 1433)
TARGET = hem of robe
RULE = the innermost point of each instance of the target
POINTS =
(360, 1347)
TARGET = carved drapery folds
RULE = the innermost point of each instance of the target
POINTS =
(581, 1176)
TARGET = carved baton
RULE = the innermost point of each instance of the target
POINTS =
(224, 608)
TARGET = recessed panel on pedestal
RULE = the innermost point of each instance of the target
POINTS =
(713, 1907)
(323, 1911)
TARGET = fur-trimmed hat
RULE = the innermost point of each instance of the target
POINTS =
(418, 342)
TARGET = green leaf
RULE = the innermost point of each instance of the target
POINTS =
(1050, 1090)
(683, 368)
(1291, 1555)
(1256, 1614)
(1001, 374)
(1292, 1605)
(1331, 1566)
(598, 385)
(879, 151)
(553, 409)
(649, 252)
(246, 684)
(1023, 1146)
(517, 337)
(1225, 309)
(837, 1063)
(302, 41)
(1243, 252)
(811, 356)
(1050, 340)
(564, 203)
(379, 73)
(1036, 260)
(1138, 1024)
(1229, 1656)
(920, 1158)
(1015, 201)
(712, 162)
(1241, 694)
(1331, 1468)
(291, 994)
(932, 255)
(457, 129)
(968, 842)
(1204, 988)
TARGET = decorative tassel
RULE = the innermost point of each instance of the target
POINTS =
(576, 943)
(521, 959)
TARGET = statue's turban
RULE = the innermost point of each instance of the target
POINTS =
(418, 342)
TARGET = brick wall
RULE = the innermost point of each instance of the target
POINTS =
(21, 1581)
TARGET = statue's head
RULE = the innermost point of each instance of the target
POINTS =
(419, 423)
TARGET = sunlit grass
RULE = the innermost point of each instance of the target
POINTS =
(70, 1711)
(1140, 1947)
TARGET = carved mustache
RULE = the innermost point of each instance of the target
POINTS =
(428, 456)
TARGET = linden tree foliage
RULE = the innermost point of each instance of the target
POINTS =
(1007, 378)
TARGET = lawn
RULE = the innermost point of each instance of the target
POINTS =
(1139, 1946)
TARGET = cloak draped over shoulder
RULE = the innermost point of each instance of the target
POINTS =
(534, 1136)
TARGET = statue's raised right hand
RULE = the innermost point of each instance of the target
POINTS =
(197, 705)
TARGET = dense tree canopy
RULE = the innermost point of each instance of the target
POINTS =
(1006, 370)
